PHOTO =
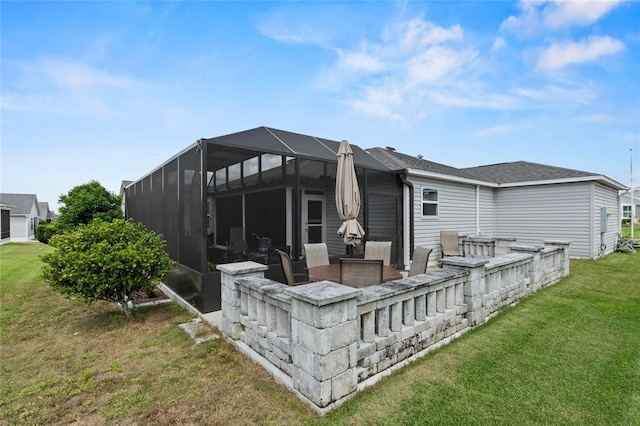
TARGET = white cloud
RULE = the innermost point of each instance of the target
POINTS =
(538, 16)
(498, 43)
(560, 55)
(418, 33)
(495, 130)
(359, 62)
(64, 87)
(436, 64)
(596, 118)
(390, 77)
(78, 76)
(576, 12)
(554, 96)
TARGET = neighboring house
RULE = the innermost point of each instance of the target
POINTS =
(527, 201)
(46, 215)
(281, 185)
(5, 223)
(629, 208)
(24, 215)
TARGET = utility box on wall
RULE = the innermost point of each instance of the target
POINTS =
(603, 219)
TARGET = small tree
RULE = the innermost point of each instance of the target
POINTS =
(84, 203)
(106, 261)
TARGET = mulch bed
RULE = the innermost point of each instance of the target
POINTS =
(140, 297)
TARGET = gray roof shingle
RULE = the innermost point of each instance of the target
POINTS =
(513, 172)
(20, 203)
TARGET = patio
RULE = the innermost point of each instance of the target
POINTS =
(325, 341)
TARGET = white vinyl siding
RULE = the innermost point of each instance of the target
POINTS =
(457, 211)
(605, 197)
(488, 212)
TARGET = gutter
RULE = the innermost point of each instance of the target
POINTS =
(409, 186)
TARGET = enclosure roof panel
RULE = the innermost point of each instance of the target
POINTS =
(274, 141)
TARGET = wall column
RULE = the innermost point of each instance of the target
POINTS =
(565, 258)
(230, 293)
(324, 340)
(474, 286)
(536, 264)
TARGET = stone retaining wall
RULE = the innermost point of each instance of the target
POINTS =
(325, 341)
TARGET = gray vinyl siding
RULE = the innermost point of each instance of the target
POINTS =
(335, 243)
(488, 211)
(383, 214)
(533, 214)
(605, 197)
(456, 212)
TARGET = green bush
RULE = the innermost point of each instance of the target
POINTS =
(84, 203)
(46, 230)
(106, 261)
(626, 221)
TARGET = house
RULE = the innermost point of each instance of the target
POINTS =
(5, 223)
(527, 201)
(280, 185)
(46, 215)
(24, 215)
(630, 209)
(266, 182)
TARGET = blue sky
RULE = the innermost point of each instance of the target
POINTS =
(110, 90)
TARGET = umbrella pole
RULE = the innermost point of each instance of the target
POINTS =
(349, 250)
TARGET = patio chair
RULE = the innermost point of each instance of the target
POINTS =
(237, 242)
(449, 244)
(420, 261)
(287, 269)
(360, 272)
(316, 254)
(378, 250)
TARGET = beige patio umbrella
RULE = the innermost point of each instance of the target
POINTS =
(348, 196)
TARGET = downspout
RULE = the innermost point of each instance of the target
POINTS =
(408, 188)
(477, 209)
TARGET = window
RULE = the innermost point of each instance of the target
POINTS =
(429, 202)
(626, 211)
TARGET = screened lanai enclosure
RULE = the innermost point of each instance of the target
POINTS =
(240, 196)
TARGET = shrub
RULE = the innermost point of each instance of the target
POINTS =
(106, 261)
(46, 230)
(626, 221)
(84, 203)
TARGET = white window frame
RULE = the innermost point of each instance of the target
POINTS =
(430, 202)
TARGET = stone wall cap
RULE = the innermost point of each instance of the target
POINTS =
(508, 258)
(468, 262)
(526, 248)
(238, 268)
(559, 242)
(322, 293)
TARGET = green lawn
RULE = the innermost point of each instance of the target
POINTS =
(626, 231)
(569, 354)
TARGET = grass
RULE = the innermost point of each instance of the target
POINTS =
(626, 231)
(568, 355)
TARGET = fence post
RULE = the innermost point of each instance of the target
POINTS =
(324, 340)
(565, 257)
(536, 272)
(230, 293)
(474, 286)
